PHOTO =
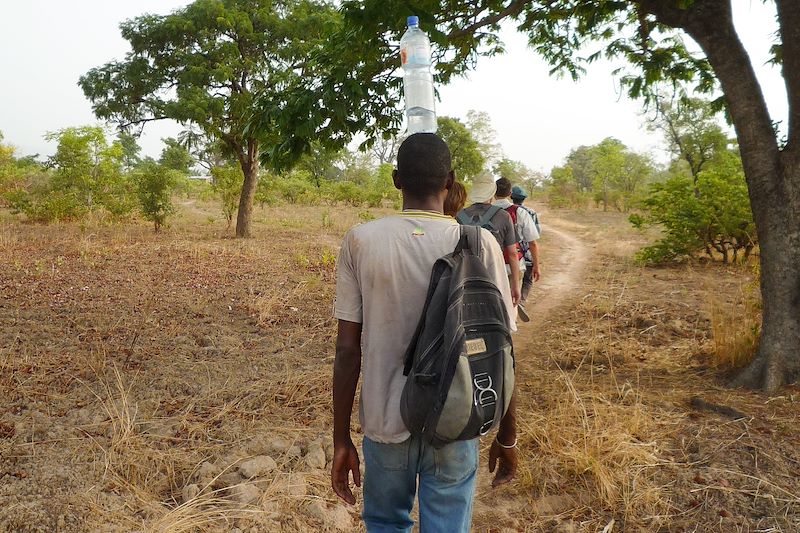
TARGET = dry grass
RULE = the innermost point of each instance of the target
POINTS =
(140, 357)
(605, 449)
(736, 324)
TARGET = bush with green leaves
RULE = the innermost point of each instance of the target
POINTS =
(155, 184)
(227, 183)
(711, 216)
(86, 175)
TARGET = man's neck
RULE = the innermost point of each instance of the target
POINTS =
(423, 204)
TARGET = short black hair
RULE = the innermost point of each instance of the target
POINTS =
(423, 164)
(503, 188)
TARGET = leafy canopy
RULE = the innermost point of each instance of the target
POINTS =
(353, 76)
(201, 65)
(468, 160)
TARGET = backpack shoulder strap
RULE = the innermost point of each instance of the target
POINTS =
(470, 240)
(439, 268)
(487, 217)
(512, 210)
(463, 218)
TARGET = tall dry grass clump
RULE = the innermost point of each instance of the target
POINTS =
(736, 325)
(597, 449)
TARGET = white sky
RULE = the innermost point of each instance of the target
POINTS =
(46, 45)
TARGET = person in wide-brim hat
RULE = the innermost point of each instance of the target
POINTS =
(483, 189)
(495, 219)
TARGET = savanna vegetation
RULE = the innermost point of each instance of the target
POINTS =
(179, 380)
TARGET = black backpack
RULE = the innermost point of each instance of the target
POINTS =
(460, 362)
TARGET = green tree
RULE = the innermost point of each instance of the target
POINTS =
(130, 150)
(176, 156)
(321, 164)
(155, 183)
(692, 132)
(580, 159)
(201, 66)
(227, 183)
(710, 213)
(468, 161)
(479, 124)
(607, 166)
(562, 188)
(615, 175)
(89, 170)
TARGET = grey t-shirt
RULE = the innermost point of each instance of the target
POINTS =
(501, 221)
(382, 278)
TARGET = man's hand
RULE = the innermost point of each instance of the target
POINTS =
(507, 457)
(536, 272)
(515, 295)
(345, 460)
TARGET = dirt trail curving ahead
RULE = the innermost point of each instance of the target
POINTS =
(563, 260)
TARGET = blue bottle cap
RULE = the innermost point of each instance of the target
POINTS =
(413, 20)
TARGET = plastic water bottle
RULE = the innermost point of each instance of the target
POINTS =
(415, 57)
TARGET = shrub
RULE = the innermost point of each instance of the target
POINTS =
(712, 216)
(154, 186)
(227, 183)
(55, 206)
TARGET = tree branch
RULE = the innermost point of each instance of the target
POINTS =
(789, 19)
(513, 9)
(140, 122)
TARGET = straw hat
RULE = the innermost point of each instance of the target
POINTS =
(483, 188)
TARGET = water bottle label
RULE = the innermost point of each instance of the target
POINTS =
(415, 55)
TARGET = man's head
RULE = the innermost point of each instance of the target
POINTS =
(503, 188)
(424, 166)
(518, 194)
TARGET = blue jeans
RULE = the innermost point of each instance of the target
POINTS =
(446, 485)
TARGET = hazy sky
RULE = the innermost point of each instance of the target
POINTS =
(45, 45)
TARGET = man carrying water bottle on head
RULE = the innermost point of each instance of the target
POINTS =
(382, 278)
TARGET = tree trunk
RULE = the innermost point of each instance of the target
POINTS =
(773, 176)
(777, 361)
(249, 164)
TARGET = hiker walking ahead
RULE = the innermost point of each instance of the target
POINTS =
(527, 231)
(482, 213)
(532, 270)
(382, 279)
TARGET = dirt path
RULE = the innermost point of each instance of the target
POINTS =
(564, 257)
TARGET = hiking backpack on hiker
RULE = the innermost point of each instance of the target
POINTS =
(485, 222)
(524, 245)
(460, 362)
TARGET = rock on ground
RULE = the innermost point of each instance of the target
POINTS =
(336, 517)
(190, 492)
(296, 485)
(315, 458)
(340, 518)
(245, 493)
(228, 480)
(257, 466)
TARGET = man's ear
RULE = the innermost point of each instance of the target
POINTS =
(396, 180)
(451, 178)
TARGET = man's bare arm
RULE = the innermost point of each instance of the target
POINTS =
(534, 248)
(346, 370)
(510, 254)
